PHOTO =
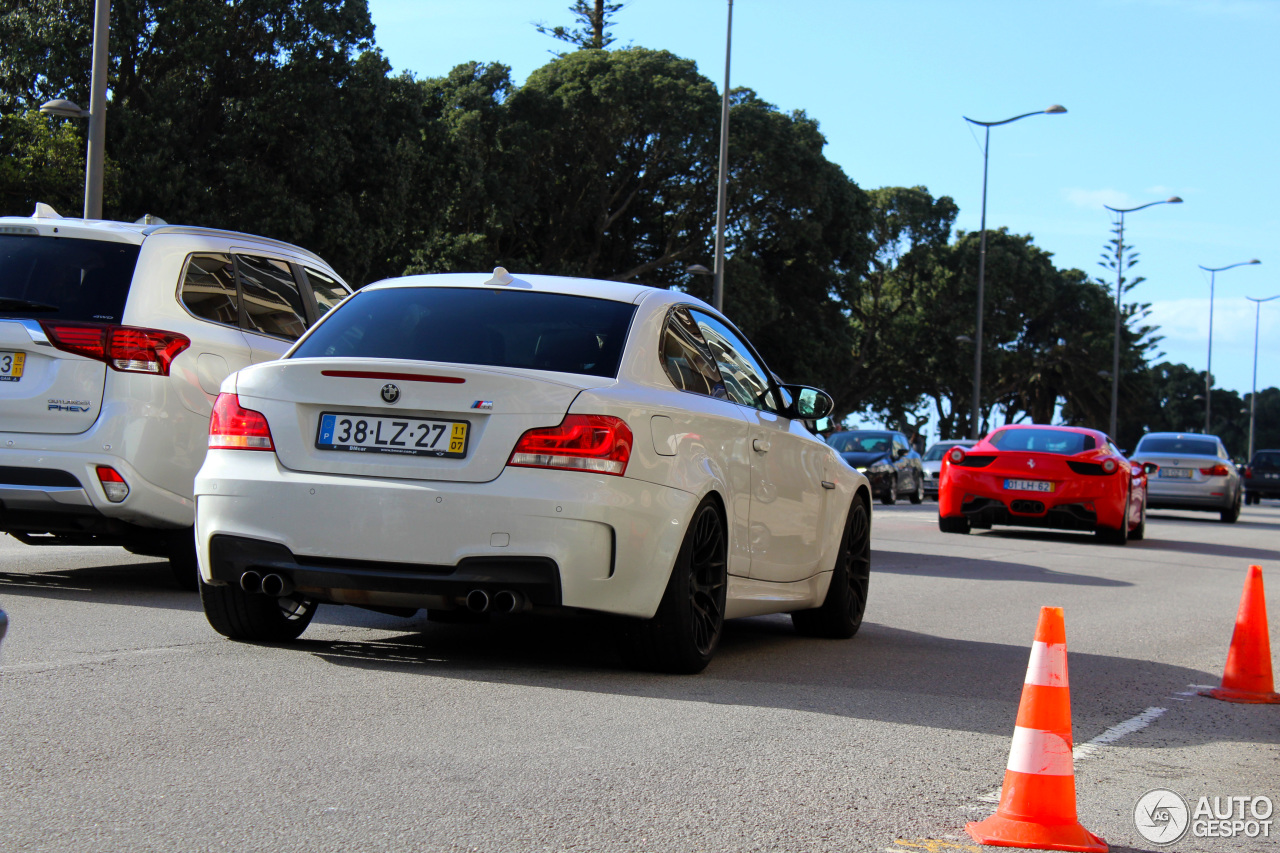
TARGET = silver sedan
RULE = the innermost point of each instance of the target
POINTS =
(1194, 472)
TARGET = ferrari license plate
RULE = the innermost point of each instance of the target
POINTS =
(11, 364)
(1029, 485)
(409, 436)
(1174, 473)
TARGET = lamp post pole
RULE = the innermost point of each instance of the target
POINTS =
(1208, 367)
(95, 158)
(974, 428)
(1115, 355)
(1253, 396)
(722, 189)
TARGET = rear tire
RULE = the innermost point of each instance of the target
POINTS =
(1121, 535)
(840, 615)
(1139, 533)
(683, 635)
(890, 496)
(953, 525)
(255, 617)
(1232, 515)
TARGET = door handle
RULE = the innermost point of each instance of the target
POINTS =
(760, 445)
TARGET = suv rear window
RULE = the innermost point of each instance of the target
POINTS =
(1043, 441)
(64, 278)
(1266, 459)
(497, 328)
(1183, 446)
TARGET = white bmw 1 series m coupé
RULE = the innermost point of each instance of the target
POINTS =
(469, 443)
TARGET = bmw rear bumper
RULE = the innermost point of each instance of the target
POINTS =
(610, 542)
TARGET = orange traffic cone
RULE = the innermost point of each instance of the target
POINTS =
(1247, 677)
(1038, 801)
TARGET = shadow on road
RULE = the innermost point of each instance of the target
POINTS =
(884, 674)
(1212, 549)
(138, 584)
(903, 563)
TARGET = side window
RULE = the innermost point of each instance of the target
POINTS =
(687, 359)
(745, 379)
(209, 289)
(327, 290)
(272, 303)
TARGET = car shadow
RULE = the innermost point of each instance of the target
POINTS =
(903, 563)
(884, 674)
(1212, 549)
(149, 584)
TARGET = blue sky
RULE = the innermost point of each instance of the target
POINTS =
(1165, 97)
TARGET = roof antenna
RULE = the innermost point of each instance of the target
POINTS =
(500, 276)
(45, 211)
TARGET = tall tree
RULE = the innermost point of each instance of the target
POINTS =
(593, 19)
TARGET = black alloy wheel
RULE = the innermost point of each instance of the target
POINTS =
(683, 635)
(889, 496)
(840, 615)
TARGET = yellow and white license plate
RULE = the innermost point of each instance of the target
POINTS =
(11, 364)
(409, 436)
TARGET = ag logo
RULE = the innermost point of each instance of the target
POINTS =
(390, 393)
(1161, 816)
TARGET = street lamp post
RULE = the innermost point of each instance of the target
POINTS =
(722, 181)
(975, 430)
(95, 160)
(1115, 355)
(1208, 368)
(1253, 396)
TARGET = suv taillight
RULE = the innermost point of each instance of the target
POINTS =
(596, 443)
(125, 348)
(232, 427)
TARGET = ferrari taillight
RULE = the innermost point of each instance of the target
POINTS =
(1109, 466)
(956, 454)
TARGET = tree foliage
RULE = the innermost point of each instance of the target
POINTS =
(281, 117)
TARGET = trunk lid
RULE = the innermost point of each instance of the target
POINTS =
(497, 405)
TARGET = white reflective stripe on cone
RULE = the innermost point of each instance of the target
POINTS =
(1040, 753)
(1048, 664)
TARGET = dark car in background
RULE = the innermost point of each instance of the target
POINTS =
(887, 458)
(1262, 476)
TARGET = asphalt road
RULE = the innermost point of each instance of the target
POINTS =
(127, 724)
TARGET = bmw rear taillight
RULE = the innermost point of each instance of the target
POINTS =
(113, 485)
(596, 443)
(232, 427)
(125, 348)
(1215, 471)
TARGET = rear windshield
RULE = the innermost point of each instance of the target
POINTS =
(856, 441)
(1268, 459)
(1179, 446)
(1043, 441)
(498, 328)
(63, 278)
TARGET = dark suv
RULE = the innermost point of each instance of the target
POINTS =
(1262, 476)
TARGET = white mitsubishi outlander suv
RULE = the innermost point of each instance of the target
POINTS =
(114, 339)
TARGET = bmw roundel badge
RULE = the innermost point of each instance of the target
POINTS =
(390, 393)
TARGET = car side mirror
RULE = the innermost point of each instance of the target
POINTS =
(808, 404)
(900, 452)
(1150, 468)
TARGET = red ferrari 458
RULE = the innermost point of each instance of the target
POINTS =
(1065, 478)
